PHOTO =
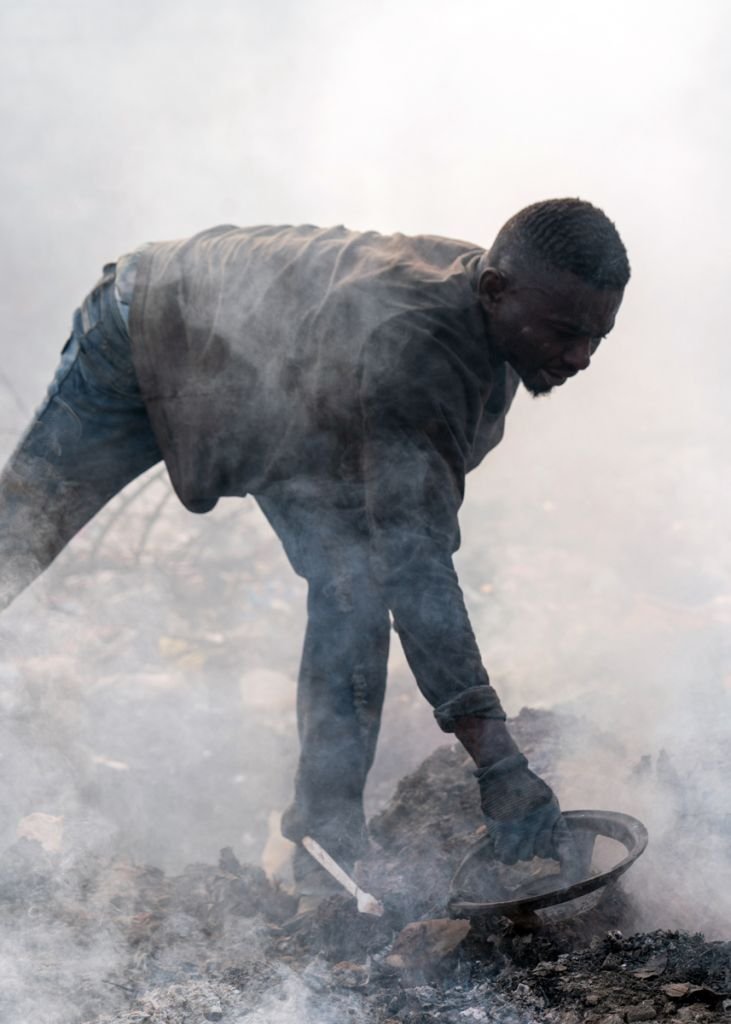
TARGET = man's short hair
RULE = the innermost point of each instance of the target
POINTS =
(565, 234)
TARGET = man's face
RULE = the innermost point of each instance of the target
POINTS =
(547, 324)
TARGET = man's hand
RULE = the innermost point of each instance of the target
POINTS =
(522, 813)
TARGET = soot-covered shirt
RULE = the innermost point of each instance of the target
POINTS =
(347, 381)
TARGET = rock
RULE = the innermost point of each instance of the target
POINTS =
(473, 1015)
(645, 1011)
(690, 1014)
(425, 995)
(611, 962)
(654, 967)
(317, 975)
(547, 967)
(422, 943)
(697, 993)
(46, 829)
(350, 975)
(678, 990)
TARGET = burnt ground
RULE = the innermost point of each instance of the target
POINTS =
(222, 942)
(147, 697)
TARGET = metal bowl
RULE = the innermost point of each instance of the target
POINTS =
(530, 886)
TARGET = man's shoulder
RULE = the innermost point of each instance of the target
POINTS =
(439, 247)
(342, 254)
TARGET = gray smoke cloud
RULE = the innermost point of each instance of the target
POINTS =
(596, 559)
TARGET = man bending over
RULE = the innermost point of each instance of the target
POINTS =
(348, 381)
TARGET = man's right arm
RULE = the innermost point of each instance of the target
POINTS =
(415, 447)
(415, 451)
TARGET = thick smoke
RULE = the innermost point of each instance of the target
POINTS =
(147, 682)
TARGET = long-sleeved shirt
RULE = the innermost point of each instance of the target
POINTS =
(347, 381)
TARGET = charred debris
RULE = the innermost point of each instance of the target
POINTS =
(225, 943)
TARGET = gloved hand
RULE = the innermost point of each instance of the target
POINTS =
(522, 814)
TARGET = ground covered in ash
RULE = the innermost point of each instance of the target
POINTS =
(224, 943)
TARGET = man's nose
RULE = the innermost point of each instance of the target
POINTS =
(578, 356)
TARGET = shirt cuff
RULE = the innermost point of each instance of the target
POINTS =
(478, 701)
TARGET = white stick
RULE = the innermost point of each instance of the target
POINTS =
(367, 904)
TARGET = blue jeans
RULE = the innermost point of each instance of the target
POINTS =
(88, 439)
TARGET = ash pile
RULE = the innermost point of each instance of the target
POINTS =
(107, 941)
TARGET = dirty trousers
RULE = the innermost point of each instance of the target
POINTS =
(88, 439)
(342, 678)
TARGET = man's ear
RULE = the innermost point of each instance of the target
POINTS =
(492, 285)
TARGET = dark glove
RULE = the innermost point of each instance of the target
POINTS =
(522, 814)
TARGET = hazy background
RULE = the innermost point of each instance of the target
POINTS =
(147, 681)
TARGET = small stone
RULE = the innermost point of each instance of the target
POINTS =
(611, 962)
(46, 829)
(690, 1014)
(546, 967)
(654, 967)
(425, 994)
(677, 990)
(422, 943)
(592, 999)
(214, 1013)
(473, 1015)
(317, 975)
(644, 1011)
(350, 975)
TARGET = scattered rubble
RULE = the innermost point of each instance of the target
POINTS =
(422, 944)
(224, 943)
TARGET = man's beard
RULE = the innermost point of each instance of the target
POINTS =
(537, 383)
(540, 391)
